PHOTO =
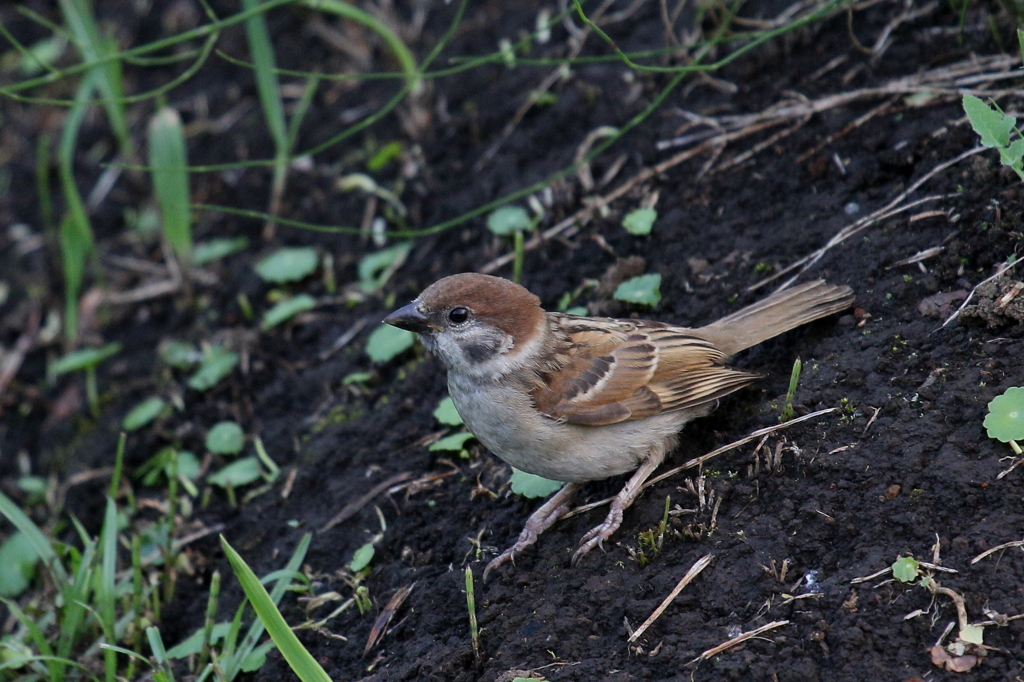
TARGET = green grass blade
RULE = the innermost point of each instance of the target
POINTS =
(76, 236)
(156, 644)
(76, 601)
(262, 51)
(299, 659)
(63, 661)
(301, 109)
(55, 668)
(79, 18)
(40, 543)
(169, 163)
(107, 594)
(252, 637)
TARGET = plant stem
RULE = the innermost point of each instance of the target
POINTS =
(474, 630)
(1016, 448)
(517, 266)
(91, 393)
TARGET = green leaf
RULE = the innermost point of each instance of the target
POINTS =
(453, 443)
(906, 569)
(216, 365)
(240, 472)
(18, 560)
(361, 558)
(225, 438)
(387, 342)
(993, 127)
(640, 222)
(33, 486)
(1005, 419)
(385, 155)
(529, 485)
(84, 359)
(576, 310)
(169, 163)
(375, 269)
(215, 249)
(287, 309)
(299, 659)
(194, 643)
(143, 413)
(42, 54)
(508, 220)
(180, 355)
(643, 290)
(357, 378)
(447, 414)
(288, 265)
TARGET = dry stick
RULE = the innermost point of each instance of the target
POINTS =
(698, 461)
(739, 640)
(353, 507)
(967, 300)
(1005, 545)
(694, 571)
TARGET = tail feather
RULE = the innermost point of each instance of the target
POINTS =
(777, 314)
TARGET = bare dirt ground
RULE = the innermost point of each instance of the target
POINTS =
(867, 117)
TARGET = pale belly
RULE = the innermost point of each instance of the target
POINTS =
(512, 429)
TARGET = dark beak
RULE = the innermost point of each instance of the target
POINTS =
(410, 319)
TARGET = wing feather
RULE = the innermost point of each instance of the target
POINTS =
(610, 371)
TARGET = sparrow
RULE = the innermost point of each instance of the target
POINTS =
(576, 399)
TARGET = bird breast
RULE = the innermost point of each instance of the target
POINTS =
(504, 419)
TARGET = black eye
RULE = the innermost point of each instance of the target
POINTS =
(458, 315)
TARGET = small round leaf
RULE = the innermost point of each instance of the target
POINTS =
(387, 342)
(640, 222)
(225, 438)
(1005, 418)
(530, 485)
(642, 290)
(447, 414)
(361, 558)
(508, 220)
(288, 265)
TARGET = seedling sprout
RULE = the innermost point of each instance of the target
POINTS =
(512, 221)
(794, 380)
(143, 413)
(86, 359)
(640, 222)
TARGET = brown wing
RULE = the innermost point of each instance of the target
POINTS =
(611, 371)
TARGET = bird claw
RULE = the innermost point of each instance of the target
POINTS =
(508, 556)
(598, 534)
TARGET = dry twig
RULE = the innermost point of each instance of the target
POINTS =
(694, 571)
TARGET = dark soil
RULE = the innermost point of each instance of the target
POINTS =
(904, 467)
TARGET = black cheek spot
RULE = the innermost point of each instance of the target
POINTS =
(480, 352)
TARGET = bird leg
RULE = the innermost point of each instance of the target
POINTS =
(542, 519)
(626, 496)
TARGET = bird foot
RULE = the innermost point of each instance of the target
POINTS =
(599, 533)
(539, 521)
